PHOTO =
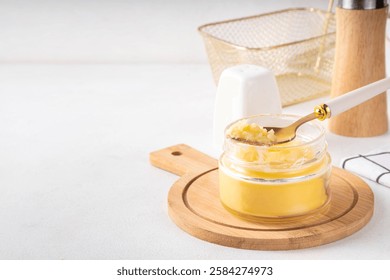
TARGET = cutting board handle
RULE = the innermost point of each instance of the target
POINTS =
(182, 159)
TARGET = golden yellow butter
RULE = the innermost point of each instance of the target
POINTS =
(251, 132)
(282, 180)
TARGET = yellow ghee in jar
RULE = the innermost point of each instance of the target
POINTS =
(283, 180)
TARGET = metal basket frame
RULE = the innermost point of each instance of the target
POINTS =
(318, 84)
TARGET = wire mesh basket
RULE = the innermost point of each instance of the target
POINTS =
(296, 44)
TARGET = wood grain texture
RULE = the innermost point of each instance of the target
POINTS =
(360, 60)
(193, 204)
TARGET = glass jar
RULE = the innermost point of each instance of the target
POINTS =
(278, 181)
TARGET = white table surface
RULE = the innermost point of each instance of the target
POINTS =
(75, 178)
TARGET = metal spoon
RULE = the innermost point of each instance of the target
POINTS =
(332, 108)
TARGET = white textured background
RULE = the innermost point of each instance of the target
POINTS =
(118, 31)
(75, 179)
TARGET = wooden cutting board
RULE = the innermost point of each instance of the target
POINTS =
(193, 204)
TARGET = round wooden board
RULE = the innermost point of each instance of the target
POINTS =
(194, 205)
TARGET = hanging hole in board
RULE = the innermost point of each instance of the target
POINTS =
(176, 153)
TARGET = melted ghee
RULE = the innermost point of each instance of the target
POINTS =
(282, 199)
(287, 182)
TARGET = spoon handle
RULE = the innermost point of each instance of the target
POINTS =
(353, 98)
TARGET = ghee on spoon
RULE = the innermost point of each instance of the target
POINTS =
(277, 135)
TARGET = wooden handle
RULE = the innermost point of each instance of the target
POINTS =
(182, 159)
(353, 98)
(360, 60)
